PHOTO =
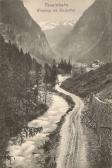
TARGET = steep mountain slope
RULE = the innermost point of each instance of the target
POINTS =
(17, 25)
(91, 82)
(89, 38)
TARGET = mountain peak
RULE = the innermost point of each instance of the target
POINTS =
(89, 38)
(52, 25)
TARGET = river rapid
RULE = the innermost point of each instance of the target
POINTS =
(29, 154)
(78, 146)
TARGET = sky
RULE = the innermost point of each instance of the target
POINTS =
(42, 13)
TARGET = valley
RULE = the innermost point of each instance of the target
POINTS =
(55, 84)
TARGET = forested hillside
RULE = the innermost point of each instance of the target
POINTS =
(21, 95)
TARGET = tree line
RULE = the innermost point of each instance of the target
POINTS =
(51, 71)
(64, 66)
(21, 85)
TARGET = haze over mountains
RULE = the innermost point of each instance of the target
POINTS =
(17, 25)
(84, 41)
(89, 39)
(56, 31)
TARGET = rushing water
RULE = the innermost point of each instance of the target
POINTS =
(78, 148)
(29, 154)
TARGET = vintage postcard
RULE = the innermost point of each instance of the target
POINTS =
(55, 84)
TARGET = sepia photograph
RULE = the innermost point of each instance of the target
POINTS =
(55, 83)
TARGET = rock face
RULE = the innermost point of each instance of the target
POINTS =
(17, 26)
(90, 38)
